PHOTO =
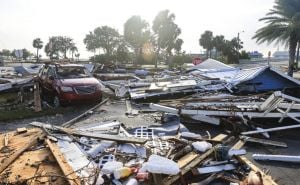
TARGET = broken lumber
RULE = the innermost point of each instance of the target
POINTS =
(68, 171)
(198, 159)
(267, 179)
(37, 98)
(117, 138)
(18, 151)
(191, 160)
(263, 141)
(72, 121)
(6, 139)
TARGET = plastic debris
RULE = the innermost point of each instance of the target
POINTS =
(160, 165)
(202, 146)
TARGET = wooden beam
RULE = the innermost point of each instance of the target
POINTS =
(267, 179)
(239, 144)
(117, 138)
(7, 161)
(189, 166)
(186, 159)
(68, 171)
(6, 139)
(189, 161)
(72, 121)
(37, 98)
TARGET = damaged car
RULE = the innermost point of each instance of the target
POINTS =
(63, 84)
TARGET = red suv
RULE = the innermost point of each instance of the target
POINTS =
(67, 83)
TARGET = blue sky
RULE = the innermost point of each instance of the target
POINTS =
(23, 20)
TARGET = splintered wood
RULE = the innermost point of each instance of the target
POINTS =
(34, 167)
(17, 165)
(68, 171)
(17, 145)
(189, 161)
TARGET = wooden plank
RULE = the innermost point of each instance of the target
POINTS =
(49, 173)
(6, 139)
(117, 138)
(264, 141)
(68, 171)
(239, 144)
(189, 161)
(219, 137)
(21, 130)
(37, 98)
(186, 159)
(267, 179)
(189, 166)
(24, 168)
(72, 121)
(19, 147)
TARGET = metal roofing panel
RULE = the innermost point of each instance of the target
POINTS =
(211, 64)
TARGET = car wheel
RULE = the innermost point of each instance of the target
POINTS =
(56, 101)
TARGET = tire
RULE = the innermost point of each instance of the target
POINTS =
(56, 102)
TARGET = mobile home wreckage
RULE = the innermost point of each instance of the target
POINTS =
(142, 133)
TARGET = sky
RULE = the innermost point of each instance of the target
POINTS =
(23, 20)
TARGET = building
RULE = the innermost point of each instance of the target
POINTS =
(255, 55)
(252, 80)
(281, 55)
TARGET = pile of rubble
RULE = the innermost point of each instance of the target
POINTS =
(107, 153)
(244, 104)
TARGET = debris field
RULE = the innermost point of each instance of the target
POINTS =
(177, 127)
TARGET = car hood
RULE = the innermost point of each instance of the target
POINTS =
(78, 81)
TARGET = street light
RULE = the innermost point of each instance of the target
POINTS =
(238, 47)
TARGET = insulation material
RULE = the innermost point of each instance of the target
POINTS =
(160, 165)
(202, 146)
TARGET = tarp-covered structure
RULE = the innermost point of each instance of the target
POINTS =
(258, 79)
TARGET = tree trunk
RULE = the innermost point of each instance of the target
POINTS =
(37, 54)
(65, 54)
(157, 54)
(94, 55)
(207, 53)
(136, 53)
(292, 52)
(297, 55)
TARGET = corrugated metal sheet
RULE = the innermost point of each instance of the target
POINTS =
(236, 76)
(247, 74)
(211, 64)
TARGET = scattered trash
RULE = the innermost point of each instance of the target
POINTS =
(163, 151)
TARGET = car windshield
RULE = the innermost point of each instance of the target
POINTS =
(72, 72)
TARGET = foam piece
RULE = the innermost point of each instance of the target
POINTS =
(109, 167)
(160, 165)
(202, 146)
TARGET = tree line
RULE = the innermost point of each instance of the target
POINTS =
(140, 43)
(145, 43)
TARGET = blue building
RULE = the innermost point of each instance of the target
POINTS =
(264, 79)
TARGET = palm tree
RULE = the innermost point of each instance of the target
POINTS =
(165, 32)
(206, 41)
(38, 44)
(218, 42)
(283, 26)
(73, 49)
(136, 33)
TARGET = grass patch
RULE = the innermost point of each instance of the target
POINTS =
(7, 115)
(8, 97)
